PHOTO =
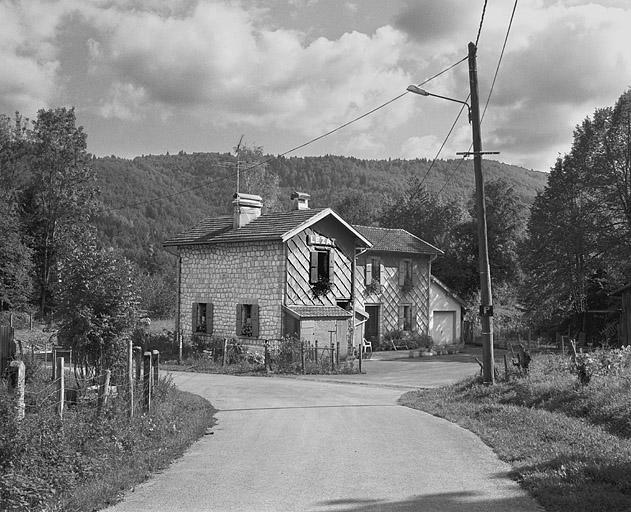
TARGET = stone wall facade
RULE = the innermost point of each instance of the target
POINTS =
(229, 274)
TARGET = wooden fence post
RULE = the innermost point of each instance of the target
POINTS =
(224, 361)
(337, 354)
(332, 354)
(155, 362)
(302, 356)
(268, 367)
(130, 376)
(361, 353)
(59, 364)
(53, 348)
(316, 351)
(17, 379)
(147, 381)
(138, 362)
(104, 391)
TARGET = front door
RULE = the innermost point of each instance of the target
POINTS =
(372, 325)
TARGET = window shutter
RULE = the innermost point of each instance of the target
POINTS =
(413, 310)
(401, 317)
(255, 320)
(209, 318)
(239, 328)
(368, 274)
(313, 267)
(332, 266)
(401, 272)
(194, 317)
(411, 272)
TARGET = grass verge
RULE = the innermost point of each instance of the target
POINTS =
(85, 462)
(570, 446)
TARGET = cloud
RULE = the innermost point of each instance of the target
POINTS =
(29, 57)
(430, 21)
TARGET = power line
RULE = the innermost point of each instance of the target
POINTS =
(477, 39)
(488, 98)
(481, 22)
(499, 62)
(418, 188)
(300, 146)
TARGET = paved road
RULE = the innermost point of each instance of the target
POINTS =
(298, 445)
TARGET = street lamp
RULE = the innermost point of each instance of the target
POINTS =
(417, 90)
(486, 306)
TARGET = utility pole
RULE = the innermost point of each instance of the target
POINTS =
(486, 306)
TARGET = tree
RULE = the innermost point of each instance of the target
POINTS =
(58, 200)
(15, 255)
(256, 178)
(357, 207)
(98, 305)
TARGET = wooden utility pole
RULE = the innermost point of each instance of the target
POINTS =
(486, 306)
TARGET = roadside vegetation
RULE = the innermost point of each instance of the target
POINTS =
(87, 460)
(567, 437)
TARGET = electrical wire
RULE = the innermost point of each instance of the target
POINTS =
(295, 148)
(488, 98)
(499, 62)
(477, 39)
(420, 185)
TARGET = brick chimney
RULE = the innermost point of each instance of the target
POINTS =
(247, 207)
(300, 201)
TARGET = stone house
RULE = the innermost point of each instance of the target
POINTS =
(394, 282)
(259, 277)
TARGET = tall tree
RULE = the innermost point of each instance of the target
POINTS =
(59, 198)
(98, 304)
(15, 255)
(255, 177)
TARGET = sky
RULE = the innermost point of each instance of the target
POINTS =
(151, 76)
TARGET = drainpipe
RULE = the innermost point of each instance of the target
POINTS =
(178, 333)
(429, 291)
(354, 295)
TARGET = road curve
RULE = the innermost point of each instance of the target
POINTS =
(295, 445)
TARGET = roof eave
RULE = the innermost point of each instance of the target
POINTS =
(318, 217)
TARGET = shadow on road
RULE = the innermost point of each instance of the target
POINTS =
(446, 502)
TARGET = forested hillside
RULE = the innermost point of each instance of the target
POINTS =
(152, 197)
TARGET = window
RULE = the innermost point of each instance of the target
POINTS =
(202, 317)
(407, 317)
(373, 271)
(321, 266)
(247, 320)
(406, 273)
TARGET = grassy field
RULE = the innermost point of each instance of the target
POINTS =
(569, 445)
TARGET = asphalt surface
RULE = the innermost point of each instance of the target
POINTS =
(302, 445)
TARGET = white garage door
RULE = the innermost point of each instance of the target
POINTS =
(443, 327)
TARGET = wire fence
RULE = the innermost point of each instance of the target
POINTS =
(126, 390)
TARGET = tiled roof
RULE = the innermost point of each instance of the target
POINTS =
(202, 232)
(396, 240)
(270, 226)
(319, 311)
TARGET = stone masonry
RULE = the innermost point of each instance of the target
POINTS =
(230, 274)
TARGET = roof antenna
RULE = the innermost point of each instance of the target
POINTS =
(237, 151)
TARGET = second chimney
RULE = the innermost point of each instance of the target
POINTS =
(247, 207)
(300, 200)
